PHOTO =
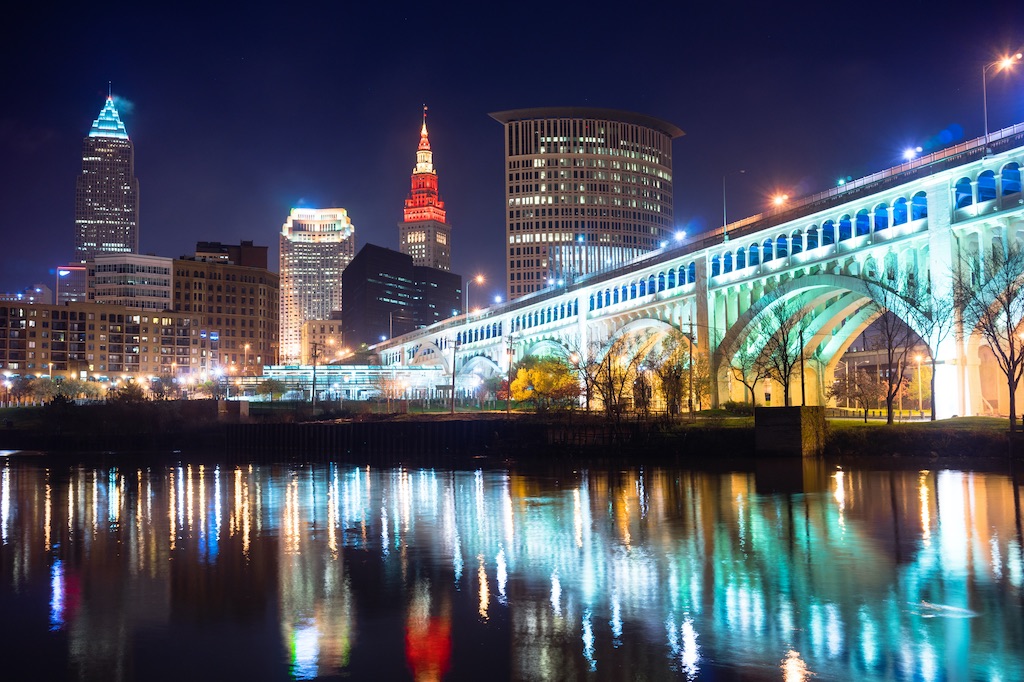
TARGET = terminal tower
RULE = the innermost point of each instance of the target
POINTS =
(424, 233)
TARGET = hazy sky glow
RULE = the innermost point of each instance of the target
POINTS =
(239, 115)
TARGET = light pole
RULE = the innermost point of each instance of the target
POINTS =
(316, 354)
(725, 216)
(245, 368)
(1000, 65)
(455, 350)
(508, 387)
(479, 279)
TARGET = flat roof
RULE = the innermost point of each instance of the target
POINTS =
(537, 113)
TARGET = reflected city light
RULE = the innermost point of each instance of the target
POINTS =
(906, 575)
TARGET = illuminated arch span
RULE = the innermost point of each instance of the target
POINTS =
(854, 295)
(482, 366)
(429, 354)
(659, 331)
(547, 347)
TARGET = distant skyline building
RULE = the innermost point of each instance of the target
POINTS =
(132, 280)
(236, 302)
(587, 189)
(316, 246)
(107, 191)
(386, 295)
(424, 232)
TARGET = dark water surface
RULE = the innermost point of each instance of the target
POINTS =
(206, 572)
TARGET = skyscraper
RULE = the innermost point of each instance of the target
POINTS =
(587, 189)
(107, 191)
(316, 246)
(424, 233)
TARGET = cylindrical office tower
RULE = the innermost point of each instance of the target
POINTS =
(586, 190)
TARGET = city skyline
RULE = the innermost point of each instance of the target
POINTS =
(243, 130)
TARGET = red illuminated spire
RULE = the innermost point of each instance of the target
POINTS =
(424, 202)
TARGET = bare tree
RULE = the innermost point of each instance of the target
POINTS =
(617, 371)
(671, 365)
(585, 360)
(748, 366)
(937, 318)
(893, 336)
(782, 328)
(994, 308)
(701, 373)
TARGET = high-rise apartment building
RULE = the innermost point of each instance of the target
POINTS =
(316, 246)
(587, 189)
(107, 191)
(424, 232)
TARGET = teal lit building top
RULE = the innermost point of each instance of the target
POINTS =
(108, 123)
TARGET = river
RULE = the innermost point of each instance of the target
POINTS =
(206, 571)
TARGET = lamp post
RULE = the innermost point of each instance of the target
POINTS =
(455, 350)
(245, 368)
(508, 387)
(312, 394)
(479, 279)
(725, 216)
(1000, 65)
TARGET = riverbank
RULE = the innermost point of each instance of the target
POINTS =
(709, 439)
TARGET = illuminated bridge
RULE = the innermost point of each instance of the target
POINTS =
(824, 257)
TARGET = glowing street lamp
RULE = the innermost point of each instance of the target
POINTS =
(479, 279)
(780, 199)
(1001, 65)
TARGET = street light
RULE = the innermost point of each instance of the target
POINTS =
(479, 279)
(780, 199)
(1000, 65)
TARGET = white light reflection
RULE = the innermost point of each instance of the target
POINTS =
(833, 630)
(868, 637)
(616, 619)
(385, 539)
(690, 655)
(997, 558)
(57, 595)
(501, 574)
(588, 640)
(189, 493)
(5, 502)
(305, 652)
(840, 495)
(172, 529)
(556, 593)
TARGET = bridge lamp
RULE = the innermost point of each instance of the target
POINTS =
(910, 153)
(680, 235)
(497, 299)
(780, 199)
(1003, 64)
(479, 279)
(664, 243)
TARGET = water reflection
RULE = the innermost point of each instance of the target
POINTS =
(651, 573)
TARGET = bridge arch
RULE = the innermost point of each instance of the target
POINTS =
(837, 302)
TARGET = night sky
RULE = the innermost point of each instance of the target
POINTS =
(240, 114)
